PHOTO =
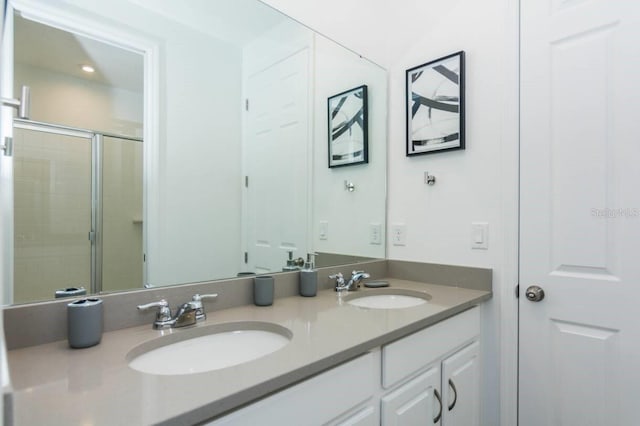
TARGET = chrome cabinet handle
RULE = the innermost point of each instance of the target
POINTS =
(437, 394)
(455, 395)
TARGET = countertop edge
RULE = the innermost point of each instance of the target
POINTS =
(225, 405)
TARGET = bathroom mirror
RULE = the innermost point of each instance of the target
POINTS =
(223, 151)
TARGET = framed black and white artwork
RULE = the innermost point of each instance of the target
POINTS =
(348, 135)
(435, 105)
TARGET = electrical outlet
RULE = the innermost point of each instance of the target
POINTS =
(323, 230)
(375, 233)
(399, 234)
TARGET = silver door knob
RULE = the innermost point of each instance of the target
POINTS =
(534, 293)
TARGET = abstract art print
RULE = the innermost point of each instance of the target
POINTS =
(435, 106)
(348, 134)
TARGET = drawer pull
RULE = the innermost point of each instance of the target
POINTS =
(455, 394)
(437, 394)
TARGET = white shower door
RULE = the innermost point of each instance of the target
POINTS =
(52, 212)
(78, 218)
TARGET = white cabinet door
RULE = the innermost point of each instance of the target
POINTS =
(461, 387)
(368, 416)
(579, 212)
(414, 403)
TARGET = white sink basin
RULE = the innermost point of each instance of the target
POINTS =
(202, 349)
(387, 298)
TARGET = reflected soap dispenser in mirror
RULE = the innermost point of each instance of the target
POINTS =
(309, 277)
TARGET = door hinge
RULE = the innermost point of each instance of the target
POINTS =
(246, 257)
(144, 257)
(246, 104)
(246, 181)
(92, 237)
(518, 291)
(7, 147)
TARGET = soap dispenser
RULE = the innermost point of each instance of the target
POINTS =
(309, 278)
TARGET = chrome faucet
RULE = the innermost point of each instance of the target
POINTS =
(196, 302)
(186, 314)
(354, 282)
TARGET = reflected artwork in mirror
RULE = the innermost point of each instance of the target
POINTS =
(195, 149)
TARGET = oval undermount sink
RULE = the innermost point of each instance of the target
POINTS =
(208, 348)
(388, 298)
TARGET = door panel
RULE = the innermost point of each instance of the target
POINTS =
(580, 212)
(278, 133)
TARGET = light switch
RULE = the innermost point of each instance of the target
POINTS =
(323, 230)
(375, 233)
(480, 235)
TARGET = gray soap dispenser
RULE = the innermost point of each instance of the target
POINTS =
(309, 278)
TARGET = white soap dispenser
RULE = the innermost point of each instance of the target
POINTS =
(309, 278)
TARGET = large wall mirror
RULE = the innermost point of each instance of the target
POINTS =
(175, 142)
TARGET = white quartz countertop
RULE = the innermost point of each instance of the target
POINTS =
(56, 385)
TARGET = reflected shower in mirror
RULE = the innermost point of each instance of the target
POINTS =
(202, 133)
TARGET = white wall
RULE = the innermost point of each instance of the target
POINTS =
(348, 214)
(477, 184)
(63, 99)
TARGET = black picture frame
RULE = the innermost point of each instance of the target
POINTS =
(348, 137)
(435, 106)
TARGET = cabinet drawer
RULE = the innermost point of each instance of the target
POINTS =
(406, 356)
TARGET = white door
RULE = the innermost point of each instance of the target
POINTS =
(461, 387)
(580, 212)
(276, 161)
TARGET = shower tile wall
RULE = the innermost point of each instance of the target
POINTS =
(122, 214)
(52, 214)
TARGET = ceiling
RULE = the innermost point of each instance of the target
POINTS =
(55, 50)
(233, 21)
(380, 30)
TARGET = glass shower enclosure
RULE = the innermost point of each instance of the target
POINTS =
(78, 222)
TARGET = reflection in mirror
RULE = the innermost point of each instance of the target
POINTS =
(230, 98)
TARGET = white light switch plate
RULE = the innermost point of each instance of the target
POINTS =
(375, 233)
(480, 235)
(323, 230)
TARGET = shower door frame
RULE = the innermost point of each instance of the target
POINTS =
(95, 233)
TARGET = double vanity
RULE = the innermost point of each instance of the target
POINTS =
(372, 356)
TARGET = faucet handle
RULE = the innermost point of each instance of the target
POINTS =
(338, 277)
(196, 303)
(199, 297)
(164, 312)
